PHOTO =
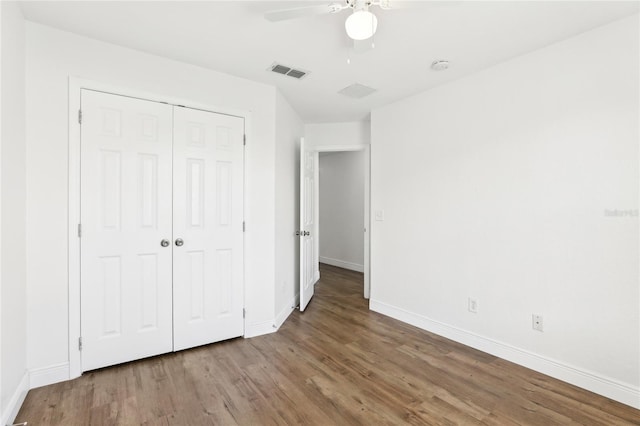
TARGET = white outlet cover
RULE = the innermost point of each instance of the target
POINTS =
(537, 322)
(473, 305)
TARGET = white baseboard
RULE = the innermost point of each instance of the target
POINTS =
(48, 375)
(610, 388)
(259, 329)
(286, 311)
(13, 407)
(342, 264)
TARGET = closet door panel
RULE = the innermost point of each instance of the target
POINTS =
(126, 288)
(208, 236)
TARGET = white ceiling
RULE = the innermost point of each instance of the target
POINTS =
(233, 37)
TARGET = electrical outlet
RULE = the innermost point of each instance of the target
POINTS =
(473, 305)
(537, 322)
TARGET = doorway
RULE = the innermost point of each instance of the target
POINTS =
(354, 256)
(341, 209)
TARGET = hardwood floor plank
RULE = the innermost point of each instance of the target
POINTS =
(335, 364)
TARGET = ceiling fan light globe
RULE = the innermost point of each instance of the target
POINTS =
(361, 25)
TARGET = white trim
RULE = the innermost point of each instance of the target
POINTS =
(76, 84)
(73, 242)
(259, 329)
(132, 92)
(316, 223)
(342, 264)
(48, 375)
(2, 419)
(286, 311)
(245, 203)
(367, 223)
(338, 148)
(13, 407)
(594, 382)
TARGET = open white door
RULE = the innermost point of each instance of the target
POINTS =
(309, 272)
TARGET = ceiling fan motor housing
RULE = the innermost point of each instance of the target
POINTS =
(359, 4)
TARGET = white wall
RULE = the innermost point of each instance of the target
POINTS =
(326, 134)
(342, 209)
(289, 130)
(13, 319)
(496, 187)
(53, 56)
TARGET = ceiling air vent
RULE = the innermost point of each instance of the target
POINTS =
(280, 69)
(357, 91)
(296, 73)
(290, 72)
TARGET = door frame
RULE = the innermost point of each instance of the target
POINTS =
(367, 205)
(76, 84)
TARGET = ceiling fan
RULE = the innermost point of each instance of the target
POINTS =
(360, 25)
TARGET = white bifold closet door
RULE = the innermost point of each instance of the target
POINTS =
(207, 206)
(126, 284)
(161, 215)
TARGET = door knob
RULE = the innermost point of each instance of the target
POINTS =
(165, 243)
(306, 233)
(179, 242)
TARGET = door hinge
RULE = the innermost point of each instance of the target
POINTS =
(244, 313)
(243, 227)
(244, 139)
(79, 230)
(80, 116)
(79, 343)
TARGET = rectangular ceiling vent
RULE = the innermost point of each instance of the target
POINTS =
(357, 91)
(288, 71)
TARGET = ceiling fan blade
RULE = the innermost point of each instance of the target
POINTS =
(299, 12)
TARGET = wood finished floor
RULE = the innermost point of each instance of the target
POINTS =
(335, 364)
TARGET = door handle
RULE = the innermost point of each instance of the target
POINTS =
(165, 243)
(306, 233)
(179, 242)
